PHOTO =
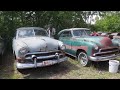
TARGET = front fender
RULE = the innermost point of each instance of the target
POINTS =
(88, 47)
(17, 45)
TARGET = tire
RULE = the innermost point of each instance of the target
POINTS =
(84, 62)
(14, 55)
(20, 70)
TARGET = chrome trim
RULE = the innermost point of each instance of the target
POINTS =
(70, 54)
(35, 65)
(43, 57)
(107, 52)
(107, 48)
(42, 52)
(100, 58)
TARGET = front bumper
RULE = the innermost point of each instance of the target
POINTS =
(41, 64)
(100, 58)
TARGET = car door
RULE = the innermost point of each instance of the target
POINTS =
(65, 37)
(77, 42)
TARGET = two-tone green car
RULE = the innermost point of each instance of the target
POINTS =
(88, 48)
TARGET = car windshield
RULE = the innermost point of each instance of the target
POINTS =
(25, 33)
(81, 33)
(31, 32)
(40, 32)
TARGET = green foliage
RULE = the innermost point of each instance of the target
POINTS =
(109, 23)
(11, 20)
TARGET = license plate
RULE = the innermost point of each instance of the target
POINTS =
(46, 63)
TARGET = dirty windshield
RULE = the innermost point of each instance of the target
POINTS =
(25, 33)
(30, 33)
(78, 33)
(40, 32)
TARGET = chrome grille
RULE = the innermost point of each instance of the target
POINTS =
(42, 53)
(50, 55)
(107, 51)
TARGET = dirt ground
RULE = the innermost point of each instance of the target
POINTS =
(70, 69)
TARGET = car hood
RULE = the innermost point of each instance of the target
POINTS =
(39, 43)
(116, 41)
(100, 41)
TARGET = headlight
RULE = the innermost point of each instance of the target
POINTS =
(119, 45)
(96, 47)
(63, 47)
(23, 50)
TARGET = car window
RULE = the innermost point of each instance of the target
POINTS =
(40, 32)
(79, 33)
(66, 34)
(88, 32)
(25, 33)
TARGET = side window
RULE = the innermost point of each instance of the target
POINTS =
(83, 33)
(66, 34)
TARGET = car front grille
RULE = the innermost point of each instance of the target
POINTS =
(47, 56)
(107, 51)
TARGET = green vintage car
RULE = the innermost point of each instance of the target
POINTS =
(88, 48)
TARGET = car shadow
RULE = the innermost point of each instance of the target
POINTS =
(7, 66)
(49, 72)
(8, 70)
(101, 66)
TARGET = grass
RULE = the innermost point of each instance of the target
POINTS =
(70, 69)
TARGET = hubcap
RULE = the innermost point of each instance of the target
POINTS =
(83, 59)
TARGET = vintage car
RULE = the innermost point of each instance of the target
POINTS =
(88, 48)
(115, 35)
(116, 38)
(33, 48)
(2, 46)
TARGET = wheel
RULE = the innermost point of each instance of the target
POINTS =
(20, 70)
(83, 59)
(14, 55)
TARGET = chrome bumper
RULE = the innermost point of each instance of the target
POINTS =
(99, 58)
(41, 64)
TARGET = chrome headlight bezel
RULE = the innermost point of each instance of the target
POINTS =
(96, 47)
(119, 45)
(23, 50)
(62, 47)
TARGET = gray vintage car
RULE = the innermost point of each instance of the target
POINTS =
(33, 48)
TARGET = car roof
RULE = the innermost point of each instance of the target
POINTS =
(115, 34)
(27, 28)
(69, 29)
(77, 29)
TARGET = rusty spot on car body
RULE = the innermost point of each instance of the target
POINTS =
(106, 42)
(85, 48)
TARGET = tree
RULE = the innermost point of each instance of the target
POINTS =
(11, 20)
(110, 23)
